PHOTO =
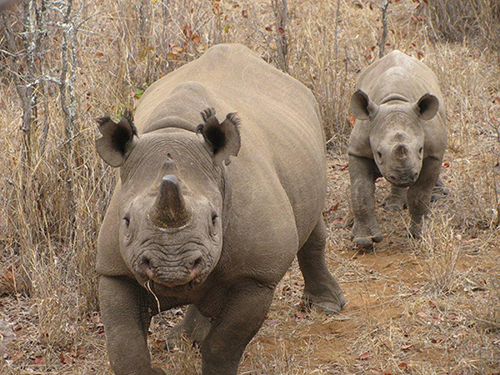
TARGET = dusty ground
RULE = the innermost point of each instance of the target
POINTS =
(412, 309)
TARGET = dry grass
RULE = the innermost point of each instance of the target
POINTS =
(460, 20)
(414, 307)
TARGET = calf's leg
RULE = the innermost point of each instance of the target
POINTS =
(396, 200)
(419, 194)
(439, 190)
(365, 229)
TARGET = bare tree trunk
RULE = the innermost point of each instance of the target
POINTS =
(281, 12)
(68, 105)
(25, 61)
(337, 18)
(383, 7)
(165, 43)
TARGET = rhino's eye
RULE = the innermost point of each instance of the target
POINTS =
(214, 218)
(379, 154)
(213, 230)
(126, 220)
(421, 150)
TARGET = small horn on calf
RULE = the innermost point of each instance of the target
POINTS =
(169, 209)
(401, 151)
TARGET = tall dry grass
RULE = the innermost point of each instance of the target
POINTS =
(124, 46)
(478, 20)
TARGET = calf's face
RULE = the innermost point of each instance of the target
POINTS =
(396, 134)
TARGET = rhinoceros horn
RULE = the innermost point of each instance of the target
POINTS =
(169, 209)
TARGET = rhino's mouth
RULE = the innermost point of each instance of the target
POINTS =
(189, 285)
(402, 181)
(163, 278)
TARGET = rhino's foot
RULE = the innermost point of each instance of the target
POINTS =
(394, 203)
(194, 327)
(181, 339)
(176, 340)
(364, 237)
(366, 243)
(439, 193)
(415, 231)
(329, 305)
(156, 371)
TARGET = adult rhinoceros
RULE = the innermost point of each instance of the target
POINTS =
(192, 228)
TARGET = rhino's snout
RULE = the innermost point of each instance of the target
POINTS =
(171, 274)
(404, 180)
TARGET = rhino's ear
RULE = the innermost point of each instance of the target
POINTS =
(222, 138)
(427, 107)
(362, 107)
(117, 139)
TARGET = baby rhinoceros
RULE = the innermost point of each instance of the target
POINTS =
(211, 210)
(399, 134)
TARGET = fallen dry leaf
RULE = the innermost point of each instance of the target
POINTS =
(365, 356)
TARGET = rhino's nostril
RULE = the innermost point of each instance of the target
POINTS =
(197, 263)
(146, 262)
(147, 267)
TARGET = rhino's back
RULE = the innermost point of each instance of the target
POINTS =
(235, 75)
(281, 160)
(398, 73)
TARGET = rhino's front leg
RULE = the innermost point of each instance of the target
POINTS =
(439, 190)
(242, 315)
(363, 174)
(396, 200)
(419, 194)
(124, 308)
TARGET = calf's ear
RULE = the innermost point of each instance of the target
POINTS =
(427, 107)
(117, 139)
(362, 107)
(222, 138)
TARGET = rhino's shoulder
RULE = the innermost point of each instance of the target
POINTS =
(359, 141)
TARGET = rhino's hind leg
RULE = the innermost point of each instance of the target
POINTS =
(321, 289)
(194, 326)
(396, 200)
(439, 190)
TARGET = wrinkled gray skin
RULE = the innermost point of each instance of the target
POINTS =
(198, 225)
(399, 134)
